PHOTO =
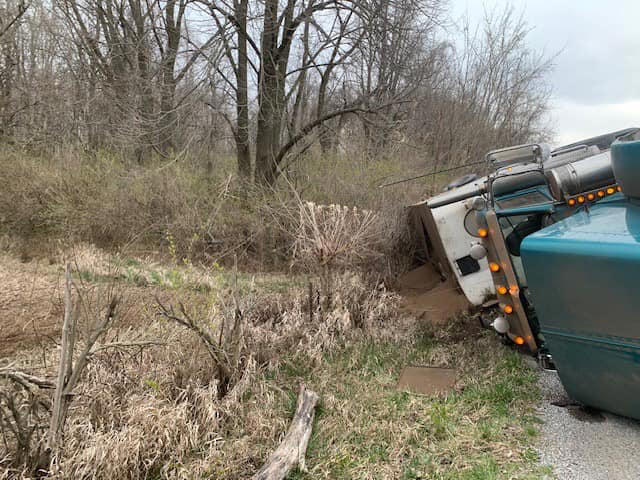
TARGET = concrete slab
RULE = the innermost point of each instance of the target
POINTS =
(427, 380)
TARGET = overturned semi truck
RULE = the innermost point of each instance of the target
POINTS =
(554, 237)
(472, 233)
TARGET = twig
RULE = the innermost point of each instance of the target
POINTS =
(140, 344)
(216, 352)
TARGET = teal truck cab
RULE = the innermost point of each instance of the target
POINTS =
(549, 190)
(582, 274)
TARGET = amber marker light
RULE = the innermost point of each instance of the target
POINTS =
(619, 188)
(572, 202)
(513, 290)
(590, 196)
(494, 267)
(520, 340)
(508, 309)
(610, 190)
(502, 290)
(580, 199)
(601, 194)
(482, 232)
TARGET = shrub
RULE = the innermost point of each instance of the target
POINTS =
(182, 208)
(104, 201)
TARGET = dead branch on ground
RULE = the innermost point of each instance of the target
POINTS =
(292, 450)
(25, 379)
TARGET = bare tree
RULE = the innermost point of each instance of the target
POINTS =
(277, 78)
(397, 58)
(9, 19)
(9, 63)
(489, 91)
(140, 52)
(259, 47)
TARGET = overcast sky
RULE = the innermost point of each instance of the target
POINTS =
(596, 80)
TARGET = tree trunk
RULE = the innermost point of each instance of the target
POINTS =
(145, 91)
(242, 107)
(267, 143)
(168, 114)
(269, 118)
(271, 89)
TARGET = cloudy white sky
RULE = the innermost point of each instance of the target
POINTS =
(596, 80)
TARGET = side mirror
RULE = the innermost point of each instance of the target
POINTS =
(530, 153)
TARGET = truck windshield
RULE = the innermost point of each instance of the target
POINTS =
(534, 197)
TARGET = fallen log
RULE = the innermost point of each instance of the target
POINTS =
(293, 447)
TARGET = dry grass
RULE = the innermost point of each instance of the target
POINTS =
(367, 429)
(157, 412)
(162, 411)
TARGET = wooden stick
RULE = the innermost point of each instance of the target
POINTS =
(292, 450)
(65, 368)
(68, 372)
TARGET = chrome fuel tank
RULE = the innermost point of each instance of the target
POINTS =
(587, 174)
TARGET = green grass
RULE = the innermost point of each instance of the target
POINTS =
(366, 428)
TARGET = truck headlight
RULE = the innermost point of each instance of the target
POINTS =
(478, 204)
(501, 325)
(477, 251)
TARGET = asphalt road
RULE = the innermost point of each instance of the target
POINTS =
(583, 444)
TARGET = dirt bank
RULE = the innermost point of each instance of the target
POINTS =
(30, 304)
